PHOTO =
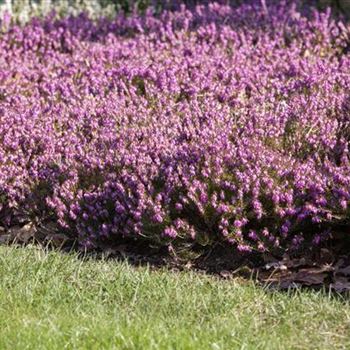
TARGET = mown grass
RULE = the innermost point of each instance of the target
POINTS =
(50, 300)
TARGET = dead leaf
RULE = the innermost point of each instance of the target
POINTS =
(343, 271)
(285, 278)
(243, 270)
(5, 239)
(339, 263)
(309, 277)
(188, 265)
(341, 284)
(225, 274)
(286, 284)
(293, 263)
(276, 266)
(114, 251)
(274, 276)
(23, 234)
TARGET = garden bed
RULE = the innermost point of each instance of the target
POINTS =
(208, 125)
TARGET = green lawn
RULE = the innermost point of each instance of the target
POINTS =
(56, 301)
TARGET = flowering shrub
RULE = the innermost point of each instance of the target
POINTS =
(211, 124)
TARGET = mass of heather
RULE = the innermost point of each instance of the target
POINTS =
(201, 125)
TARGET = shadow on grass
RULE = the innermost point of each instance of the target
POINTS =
(326, 271)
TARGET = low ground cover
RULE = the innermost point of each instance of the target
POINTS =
(56, 301)
(204, 125)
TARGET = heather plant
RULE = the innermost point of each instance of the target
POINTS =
(204, 125)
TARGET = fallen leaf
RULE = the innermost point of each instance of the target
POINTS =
(276, 265)
(293, 263)
(114, 251)
(225, 274)
(343, 271)
(285, 278)
(341, 284)
(286, 284)
(339, 263)
(309, 278)
(243, 270)
(23, 234)
(188, 265)
(5, 239)
(273, 276)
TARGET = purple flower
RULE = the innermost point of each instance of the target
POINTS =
(212, 119)
(170, 232)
